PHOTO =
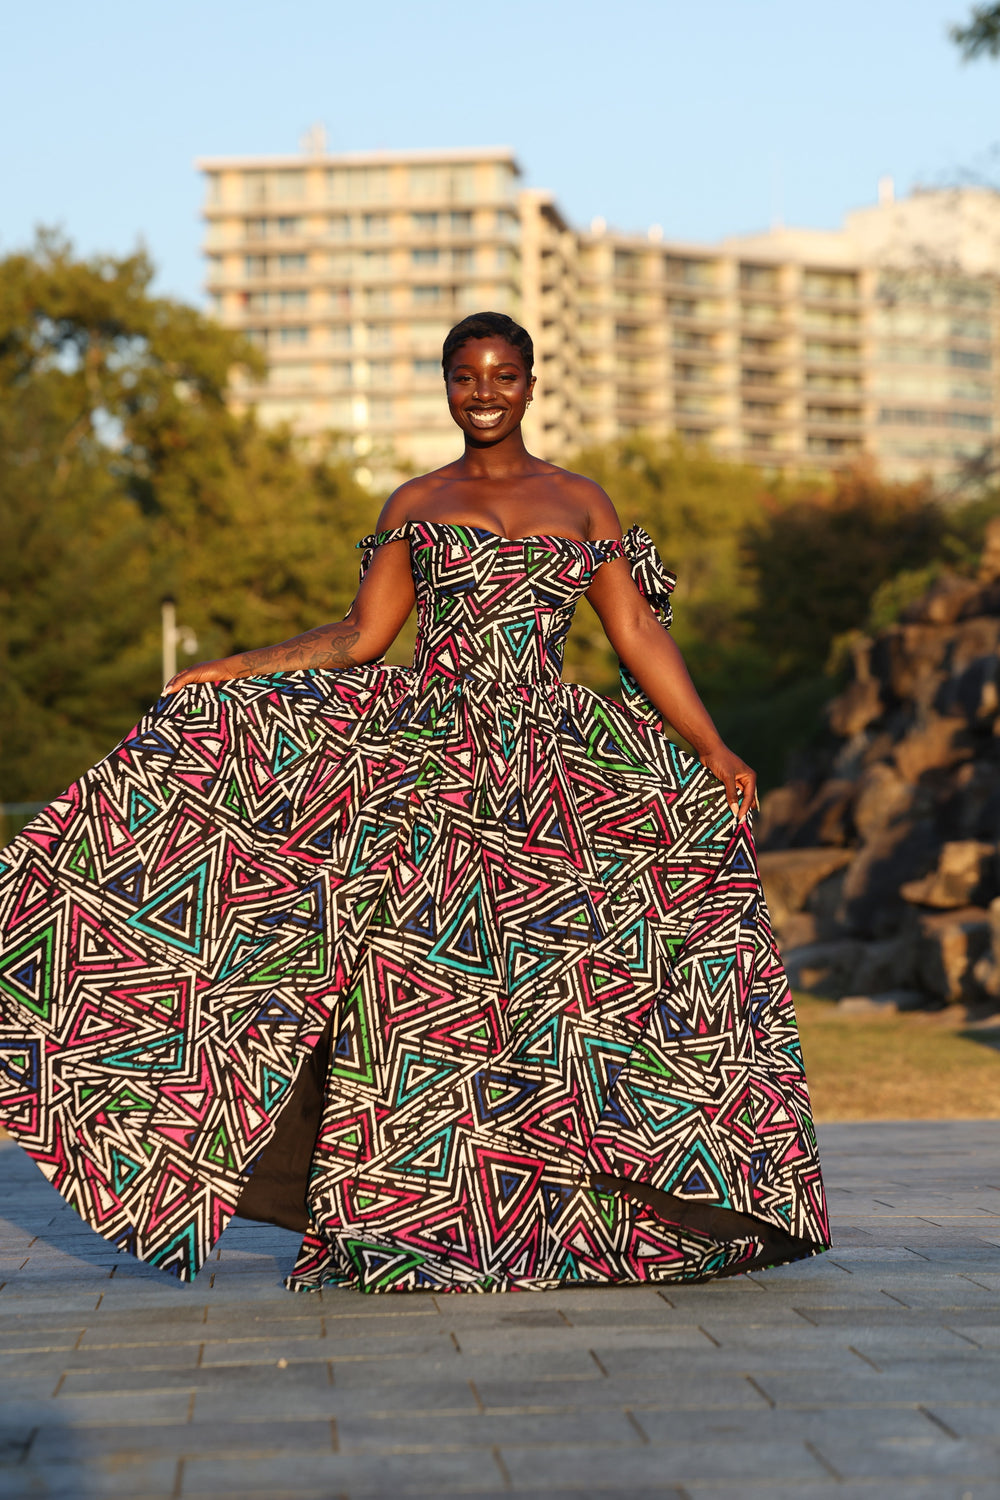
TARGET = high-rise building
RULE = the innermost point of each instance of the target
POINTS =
(793, 348)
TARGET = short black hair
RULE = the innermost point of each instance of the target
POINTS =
(489, 325)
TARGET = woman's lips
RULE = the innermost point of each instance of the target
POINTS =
(492, 417)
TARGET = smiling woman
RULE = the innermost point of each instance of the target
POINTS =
(462, 970)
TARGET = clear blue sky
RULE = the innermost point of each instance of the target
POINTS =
(706, 118)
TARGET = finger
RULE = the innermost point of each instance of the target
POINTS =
(748, 787)
(729, 782)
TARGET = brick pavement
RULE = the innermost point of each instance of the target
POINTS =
(872, 1372)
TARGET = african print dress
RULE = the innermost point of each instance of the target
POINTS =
(507, 929)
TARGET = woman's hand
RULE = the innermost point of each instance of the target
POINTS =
(739, 780)
(223, 670)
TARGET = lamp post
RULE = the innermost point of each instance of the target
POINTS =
(174, 635)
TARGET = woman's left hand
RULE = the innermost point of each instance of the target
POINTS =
(739, 780)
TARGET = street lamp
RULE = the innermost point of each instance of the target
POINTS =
(174, 635)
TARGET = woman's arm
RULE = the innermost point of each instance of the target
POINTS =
(372, 623)
(655, 661)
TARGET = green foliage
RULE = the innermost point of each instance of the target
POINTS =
(819, 557)
(696, 508)
(981, 37)
(125, 476)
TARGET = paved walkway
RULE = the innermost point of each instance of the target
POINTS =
(872, 1372)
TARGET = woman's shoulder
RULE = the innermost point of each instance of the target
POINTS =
(594, 501)
(410, 499)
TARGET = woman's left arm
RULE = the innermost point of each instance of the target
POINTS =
(655, 661)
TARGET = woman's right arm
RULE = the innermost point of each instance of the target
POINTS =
(372, 623)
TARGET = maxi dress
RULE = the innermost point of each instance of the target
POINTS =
(462, 970)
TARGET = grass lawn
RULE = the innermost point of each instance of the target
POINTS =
(920, 1066)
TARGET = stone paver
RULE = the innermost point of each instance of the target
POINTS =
(872, 1373)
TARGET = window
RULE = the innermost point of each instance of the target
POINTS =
(969, 328)
(627, 263)
(288, 226)
(832, 352)
(463, 260)
(290, 299)
(452, 183)
(693, 272)
(763, 348)
(374, 226)
(424, 257)
(255, 229)
(342, 373)
(424, 296)
(357, 184)
(833, 414)
(338, 227)
(257, 336)
(763, 411)
(759, 278)
(752, 376)
(293, 335)
(282, 186)
(422, 367)
(760, 439)
(759, 312)
(829, 284)
(922, 417)
(255, 265)
(380, 372)
(425, 223)
(213, 189)
(380, 409)
(292, 262)
(288, 187)
(290, 375)
(379, 335)
(378, 299)
(340, 299)
(461, 222)
(969, 358)
(340, 336)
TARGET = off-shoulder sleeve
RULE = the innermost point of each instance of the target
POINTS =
(369, 545)
(655, 583)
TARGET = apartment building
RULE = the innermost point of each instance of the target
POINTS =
(798, 349)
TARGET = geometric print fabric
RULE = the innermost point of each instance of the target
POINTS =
(563, 1042)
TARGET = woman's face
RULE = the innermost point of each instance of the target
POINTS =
(488, 389)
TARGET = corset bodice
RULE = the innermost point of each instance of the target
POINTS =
(491, 607)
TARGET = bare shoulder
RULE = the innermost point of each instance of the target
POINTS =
(602, 518)
(409, 501)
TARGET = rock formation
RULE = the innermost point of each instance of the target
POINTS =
(881, 868)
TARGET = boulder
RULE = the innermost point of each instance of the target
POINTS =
(948, 951)
(882, 796)
(934, 743)
(944, 601)
(781, 810)
(824, 968)
(791, 875)
(963, 876)
(871, 905)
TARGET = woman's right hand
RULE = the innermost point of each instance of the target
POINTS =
(223, 670)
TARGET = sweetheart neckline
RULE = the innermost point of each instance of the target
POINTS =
(531, 536)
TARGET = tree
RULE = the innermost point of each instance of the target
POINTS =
(819, 557)
(981, 37)
(126, 475)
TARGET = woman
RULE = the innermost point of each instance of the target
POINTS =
(464, 971)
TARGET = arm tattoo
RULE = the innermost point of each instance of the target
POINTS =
(329, 646)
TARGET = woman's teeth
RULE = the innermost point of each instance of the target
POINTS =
(486, 418)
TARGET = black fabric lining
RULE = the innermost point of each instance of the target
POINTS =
(721, 1224)
(275, 1193)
